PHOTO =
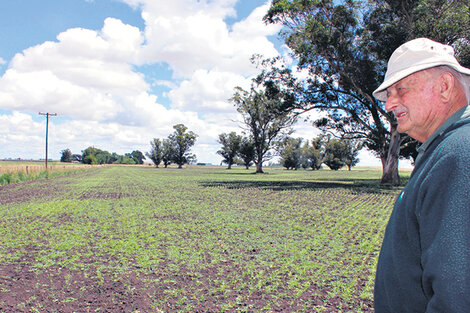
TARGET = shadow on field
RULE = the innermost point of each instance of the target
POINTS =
(359, 185)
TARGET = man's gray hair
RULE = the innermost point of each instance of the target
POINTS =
(463, 79)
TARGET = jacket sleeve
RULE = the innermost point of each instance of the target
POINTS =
(444, 225)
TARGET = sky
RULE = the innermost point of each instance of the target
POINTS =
(119, 73)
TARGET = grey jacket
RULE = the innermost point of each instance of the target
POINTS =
(424, 263)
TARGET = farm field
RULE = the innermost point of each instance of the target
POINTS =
(200, 239)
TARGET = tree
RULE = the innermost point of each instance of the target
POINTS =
(336, 151)
(167, 152)
(90, 159)
(115, 158)
(89, 155)
(312, 155)
(246, 152)
(230, 147)
(290, 151)
(66, 156)
(156, 152)
(126, 159)
(353, 148)
(137, 156)
(262, 119)
(103, 157)
(182, 141)
(92, 155)
(345, 51)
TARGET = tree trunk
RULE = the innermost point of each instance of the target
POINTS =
(390, 162)
(259, 163)
(229, 166)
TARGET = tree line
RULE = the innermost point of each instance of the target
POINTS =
(293, 152)
(92, 155)
(174, 149)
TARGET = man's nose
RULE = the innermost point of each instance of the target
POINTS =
(391, 102)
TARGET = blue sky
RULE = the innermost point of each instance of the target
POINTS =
(25, 23)
(121, 72)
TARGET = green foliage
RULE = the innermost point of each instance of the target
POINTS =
(262, 119)
(290, 151)
(89, 155)
(103, 157)
(156, 151)
(181, 141)
(92, 155)
(312, 155)
(168, 152)
(66, 156)
(392, 22)
(90, 159)
(335, 154)
(230, 147)
(7, 178)
(247, 152)
(352, 151)
(126, 160)
(340, 152)
(344, 46)
(137, 156)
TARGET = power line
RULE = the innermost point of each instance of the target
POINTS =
(47, 135)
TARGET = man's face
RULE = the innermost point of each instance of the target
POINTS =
(414, 101)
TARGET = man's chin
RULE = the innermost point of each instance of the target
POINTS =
(402, 129)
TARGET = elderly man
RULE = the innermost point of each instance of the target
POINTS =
(424, 263)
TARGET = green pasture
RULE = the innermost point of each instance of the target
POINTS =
(200, 239)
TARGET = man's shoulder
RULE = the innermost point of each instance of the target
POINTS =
(455, 141)
(458, 132)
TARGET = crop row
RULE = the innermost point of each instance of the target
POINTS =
(194, 240)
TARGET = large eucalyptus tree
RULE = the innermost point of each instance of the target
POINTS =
(344, 45)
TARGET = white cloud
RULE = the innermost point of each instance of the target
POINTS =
(19, 128)
(2, 61)
(207, 91)
(89, 76)
(166, 83)
(44, 91)
(191, 35)
(85, 75)
(18, 123)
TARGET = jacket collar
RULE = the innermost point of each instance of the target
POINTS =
(461, 114)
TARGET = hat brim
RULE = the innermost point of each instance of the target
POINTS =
(381, 92)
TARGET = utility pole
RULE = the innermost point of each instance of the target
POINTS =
(47, 135)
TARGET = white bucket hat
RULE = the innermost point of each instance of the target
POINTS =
(413, 56)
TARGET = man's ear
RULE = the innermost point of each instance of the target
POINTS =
(447, 83)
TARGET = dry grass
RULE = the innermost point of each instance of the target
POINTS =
(31, 168)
